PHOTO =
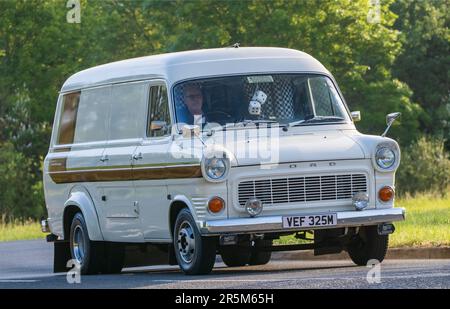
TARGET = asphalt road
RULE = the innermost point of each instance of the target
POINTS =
(28, 264)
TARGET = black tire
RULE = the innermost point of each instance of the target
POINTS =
(199, 260)
(90, 259)
(98, 257)
(368, 245)
(236, 255)
(261, 257)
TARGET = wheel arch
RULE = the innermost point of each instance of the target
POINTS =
(80, 201)
(178, 203)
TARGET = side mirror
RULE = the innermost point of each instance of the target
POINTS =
(390, 118)
(157, 125)
(189, 131)
(356, 116)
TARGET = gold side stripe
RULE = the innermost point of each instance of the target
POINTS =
(158, 165)
(59, 174)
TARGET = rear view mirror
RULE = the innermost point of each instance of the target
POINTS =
(356, 116)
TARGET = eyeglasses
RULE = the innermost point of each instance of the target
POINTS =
(194, 97)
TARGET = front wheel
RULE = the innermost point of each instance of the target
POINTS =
(368, 245)
(195, 254)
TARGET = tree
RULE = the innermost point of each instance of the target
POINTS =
(424, 63)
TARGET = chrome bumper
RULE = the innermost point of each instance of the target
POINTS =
(274, 223)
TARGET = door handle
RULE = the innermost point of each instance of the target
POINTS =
(104, 158)
(136, 207)
(137, 156)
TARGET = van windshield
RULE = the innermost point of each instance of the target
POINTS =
(294, 99)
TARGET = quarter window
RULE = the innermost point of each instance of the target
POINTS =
(68, 118)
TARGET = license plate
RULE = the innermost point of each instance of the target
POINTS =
(310, 220)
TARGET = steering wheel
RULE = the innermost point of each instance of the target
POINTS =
(219, 116)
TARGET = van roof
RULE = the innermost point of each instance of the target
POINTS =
(184, 65)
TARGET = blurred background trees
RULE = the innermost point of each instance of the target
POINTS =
(399, 63)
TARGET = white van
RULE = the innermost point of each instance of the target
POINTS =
(222, 151)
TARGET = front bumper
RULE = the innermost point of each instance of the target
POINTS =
(275, 223)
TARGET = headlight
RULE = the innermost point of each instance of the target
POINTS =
(215, 169)
(385, 157)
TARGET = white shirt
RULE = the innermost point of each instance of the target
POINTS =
(199, 120)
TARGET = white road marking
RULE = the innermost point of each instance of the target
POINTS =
(17, 281)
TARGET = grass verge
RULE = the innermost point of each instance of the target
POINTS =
(427, 222)
(20, 231)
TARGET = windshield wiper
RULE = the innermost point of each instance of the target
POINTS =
(245, 123)
(316, 119)
(257, 121)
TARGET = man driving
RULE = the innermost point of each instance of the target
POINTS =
(193, 99)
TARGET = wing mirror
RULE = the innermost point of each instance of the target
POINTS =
(158, 125)
(390, 118)
(356, 116)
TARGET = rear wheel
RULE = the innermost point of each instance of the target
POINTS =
(195, 254)
(93, 256)
(85, 252)
(368, 245)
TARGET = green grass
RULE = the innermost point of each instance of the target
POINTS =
(20, 231)
(427, 223)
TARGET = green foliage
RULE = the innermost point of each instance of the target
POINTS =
(20, 194)
(425, 166)
(424, 63)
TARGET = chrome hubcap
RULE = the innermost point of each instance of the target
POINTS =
(186, 242)
(79, 245)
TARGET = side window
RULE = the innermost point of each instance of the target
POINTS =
(92, 117)
(68, 118)
(127, 108)
(158, 114)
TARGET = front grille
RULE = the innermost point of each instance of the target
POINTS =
(302, 189)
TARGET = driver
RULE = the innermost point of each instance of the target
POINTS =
(193, 99)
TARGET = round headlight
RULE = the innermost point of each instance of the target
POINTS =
(385, 157)
(215, 169)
